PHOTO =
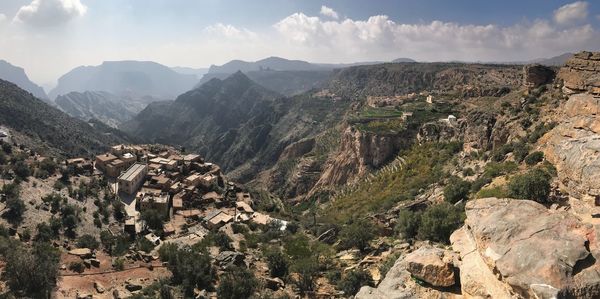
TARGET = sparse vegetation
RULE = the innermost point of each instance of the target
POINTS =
(533, 185)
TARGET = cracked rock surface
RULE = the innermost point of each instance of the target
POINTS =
(518, 248)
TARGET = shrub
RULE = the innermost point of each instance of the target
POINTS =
(16, 207)
(168, 252)
(222, 240)
(498, 191)
(88, 241)
(307, 269)
(44, 233)
(468, 171)
(533, 185)
(353, 280)
(439, 221)
(144, 245)
(49, 166)
(78, 267)
(237, 283)
(456, 190)
(21, 170)
(277, 262)
(191, 269)
(33, 272)
(153, 218)
(119, 264)
(357, 235)
(534, 158)
(408, 223)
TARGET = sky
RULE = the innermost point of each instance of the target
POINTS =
(50, 37)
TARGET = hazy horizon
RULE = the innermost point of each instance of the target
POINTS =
(50, 37)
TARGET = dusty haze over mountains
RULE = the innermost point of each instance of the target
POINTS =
(50, 37)
(350, 149)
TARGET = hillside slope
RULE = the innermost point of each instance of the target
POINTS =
(103, 106)
(48, 129)
(17, 76)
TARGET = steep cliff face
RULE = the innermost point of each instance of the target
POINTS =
(581, 73)
(361, 152)
(573, 145)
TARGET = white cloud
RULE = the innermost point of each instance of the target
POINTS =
(2, 17)
(379, 37)
(329, 12)
(573, 12)
(50, 12)
(221, 30)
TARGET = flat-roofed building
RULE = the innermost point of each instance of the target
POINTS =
(114, 168)
(133, 178)
(192, 180)
(103, 160)
(156, 202)
(129, 158)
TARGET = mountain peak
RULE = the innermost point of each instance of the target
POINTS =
(17, 75)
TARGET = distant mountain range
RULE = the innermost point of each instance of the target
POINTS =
(553, 61)
(106, 107)
(17, 76)
(198, 72)
(287, 77)
(126, 78)
(282, 64)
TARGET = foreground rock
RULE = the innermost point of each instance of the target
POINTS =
(428, 263)
(432, 265)
(536, 253)
(573, 146)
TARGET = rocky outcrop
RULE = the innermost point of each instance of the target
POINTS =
(581, 73)
(479, 130)
(573, 146)
(518, 248)
(297, 149)
(360, 152)
(399, 284)
(535, 75)
(432, 265)
(439, 131)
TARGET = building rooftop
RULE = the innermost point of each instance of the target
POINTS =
(106, 157)
(132, 171)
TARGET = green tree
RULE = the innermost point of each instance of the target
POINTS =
(439, 221)
(534, 158)
(357, 234)
(16, 208)
(154, 219)
(88, 241)
(191, 269)
(533, 185)
(456, 190)
(32, 272)
(277, 262)
(237, 283)
(408, 223)
(21, 170)
(354, 280)
(307, 269)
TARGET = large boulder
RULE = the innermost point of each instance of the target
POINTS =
(535, 75)
(536, 252)
(398, 282)
(432, 265)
